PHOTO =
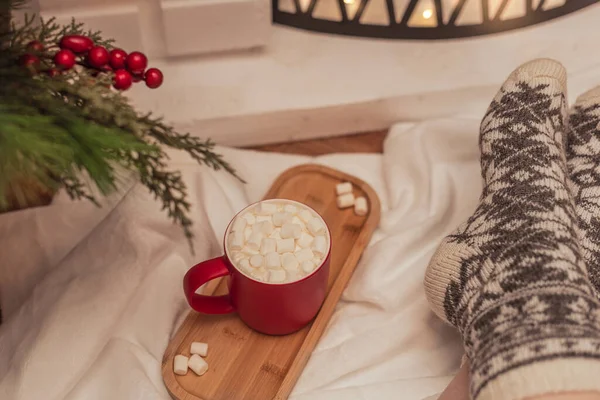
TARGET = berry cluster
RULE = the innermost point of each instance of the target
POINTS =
(77, 49)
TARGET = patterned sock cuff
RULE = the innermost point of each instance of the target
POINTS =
(591, 96)
(542, 67)
(561, 375)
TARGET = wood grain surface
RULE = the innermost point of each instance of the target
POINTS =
(368, 142)
(244, 364)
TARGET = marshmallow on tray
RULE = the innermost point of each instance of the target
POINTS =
(345, 200)
(360, 206)
(343, 188)
(180, 365)
(198, 365)
(199, 348)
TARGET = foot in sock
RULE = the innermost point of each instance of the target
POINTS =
(583, 160)
(511, 278)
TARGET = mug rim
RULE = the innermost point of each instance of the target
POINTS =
(230, 261)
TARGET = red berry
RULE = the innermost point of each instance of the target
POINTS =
(136, 62)
(29, 60)
(117, 58)
(122, 79)
(35, 45)
(76, 43)
(98, 57)
(153, 78)
(52, 72)
(64, 59)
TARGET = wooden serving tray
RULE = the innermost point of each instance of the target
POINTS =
(245, 364)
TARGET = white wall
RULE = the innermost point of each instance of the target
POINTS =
(164, 28)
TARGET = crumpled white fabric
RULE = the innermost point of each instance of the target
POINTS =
(92, 296)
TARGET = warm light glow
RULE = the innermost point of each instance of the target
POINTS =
(426, 14)
(349, 1)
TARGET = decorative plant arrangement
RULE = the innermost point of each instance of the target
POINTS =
(65, 123)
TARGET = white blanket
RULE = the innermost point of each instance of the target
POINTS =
(92, 296)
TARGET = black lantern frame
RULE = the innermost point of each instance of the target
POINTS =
(401, 30)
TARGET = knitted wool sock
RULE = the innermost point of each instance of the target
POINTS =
(511, 278)
(583, 160)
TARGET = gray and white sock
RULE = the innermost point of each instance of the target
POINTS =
(511, 278)
(583, 160)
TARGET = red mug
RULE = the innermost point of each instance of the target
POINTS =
(271, 308)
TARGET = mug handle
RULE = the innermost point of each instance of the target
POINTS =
(197, 276)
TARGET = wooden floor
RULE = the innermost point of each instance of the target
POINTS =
(370, 142)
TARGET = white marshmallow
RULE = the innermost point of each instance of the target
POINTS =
(268, 245)
(288, 208)
(198, 365)
(281, 218)
(256, 260)
(247, 232)
(289, 261)
(236, 240)
(360, 206)
(290, 230)
(244, 264)
(260, 274)
(275, 234)
(305, 215)
(239, 224)
(250, 218)
(254, 241)
(298, 221)
(304, 254)
(250, 252)
(305, 239)
(343, 188)
(315, 226)
(308, 266)
(345, 200)
(180, 365)
(265, 227)
(319, 245)
(262, 218)
(266, 208)
(293, 276)
(285, 245)
(273, 260)
(236, 256)
(277, 276)
(199, 348)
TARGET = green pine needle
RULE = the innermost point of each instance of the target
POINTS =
(58, 131)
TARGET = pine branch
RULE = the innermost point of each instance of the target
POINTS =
(54, 131)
